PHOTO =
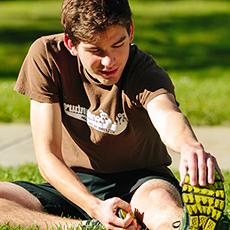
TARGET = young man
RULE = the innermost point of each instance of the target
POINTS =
(102, 112)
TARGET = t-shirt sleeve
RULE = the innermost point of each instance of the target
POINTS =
(155, 83)
(36, 78)
(147, 80)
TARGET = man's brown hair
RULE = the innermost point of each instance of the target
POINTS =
(83, 19)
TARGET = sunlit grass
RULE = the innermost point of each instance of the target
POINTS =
(199, 95)
(30, 172)
(159, 9)
(189, 39)
(14, 107)
(39, 11)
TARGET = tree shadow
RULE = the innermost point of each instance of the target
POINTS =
(176, 42)
(188, 42)
(16, 40)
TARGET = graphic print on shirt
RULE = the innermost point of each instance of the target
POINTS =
(101, 122)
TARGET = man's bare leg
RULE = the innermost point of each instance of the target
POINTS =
(19, 207)
(158, 204)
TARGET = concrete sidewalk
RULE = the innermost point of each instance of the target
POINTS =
(16, 144)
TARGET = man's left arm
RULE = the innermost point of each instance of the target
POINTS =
(177, 134)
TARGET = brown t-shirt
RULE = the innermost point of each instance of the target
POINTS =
(105, 128)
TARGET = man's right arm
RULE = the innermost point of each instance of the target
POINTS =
(47, 135)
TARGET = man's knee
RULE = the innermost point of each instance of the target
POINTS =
(164, 190)
(157, 190)
(12, 192)
(157, 203)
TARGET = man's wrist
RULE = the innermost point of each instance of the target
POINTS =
(92, 207)
(195, 145)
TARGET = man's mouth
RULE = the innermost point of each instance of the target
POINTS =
(109, 73)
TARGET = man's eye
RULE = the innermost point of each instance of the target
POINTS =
(95, 51)
(118, 45)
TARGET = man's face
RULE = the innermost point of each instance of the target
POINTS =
(105, 59)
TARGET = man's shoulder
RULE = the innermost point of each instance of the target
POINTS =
(48, 47)
(142, 68)
(140, 59)
(48, 42)
(139, 62)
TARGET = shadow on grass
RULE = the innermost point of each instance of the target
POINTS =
(24, 34)
(225, 223)
(15, 42)
(186, 42)
(181, 43)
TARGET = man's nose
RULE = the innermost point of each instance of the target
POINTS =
(108, 61)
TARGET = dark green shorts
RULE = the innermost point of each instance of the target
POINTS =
(104, 186)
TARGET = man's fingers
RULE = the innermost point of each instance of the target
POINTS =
(211, 163)
(128, 218)
(192, 169)
(200, 165)
(125, 206)
(212, 168)
(183, 172)
(189, 166)
(124, 223)
(202, 168)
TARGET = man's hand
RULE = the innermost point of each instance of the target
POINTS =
(200, 165)
(176, 133)
(106, 213)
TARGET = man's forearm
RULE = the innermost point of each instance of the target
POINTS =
(67, 183)
(172, 126)
(177, 132)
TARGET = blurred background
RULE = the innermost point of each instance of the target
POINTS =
(189, 39)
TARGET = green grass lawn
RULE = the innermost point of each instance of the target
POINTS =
(30, 172)
(190, 39)
(14, 107)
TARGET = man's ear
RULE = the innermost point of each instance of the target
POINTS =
(69, 45)
(131, 32)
